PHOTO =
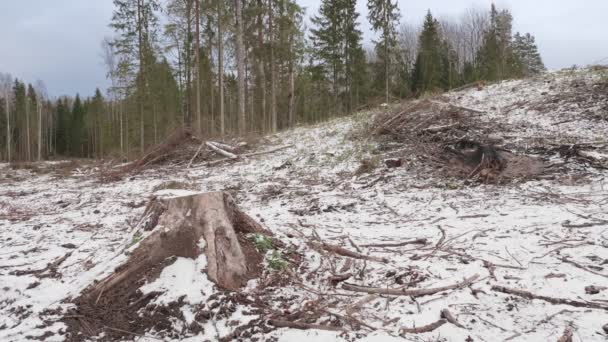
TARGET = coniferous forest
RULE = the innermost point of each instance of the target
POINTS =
(253, 67)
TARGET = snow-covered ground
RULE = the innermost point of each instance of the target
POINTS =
(549, 237)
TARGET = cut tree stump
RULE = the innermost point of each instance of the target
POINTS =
(179, 225)
(185, 227)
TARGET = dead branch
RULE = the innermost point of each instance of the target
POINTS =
(302, 326)
(422, 241)
(439, 129)
(575, 264)
(247, 155)
(345, 252)
(195, 155)
(445, 313)
(410, 292)
(552, 300)
(423, 329)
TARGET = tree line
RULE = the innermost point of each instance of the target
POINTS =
(253, 66)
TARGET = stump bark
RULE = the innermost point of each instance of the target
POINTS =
(180, 225)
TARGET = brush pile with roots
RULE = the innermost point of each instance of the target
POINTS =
(453, 141)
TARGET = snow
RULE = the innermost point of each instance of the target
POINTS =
(184, 278)
(523, 228)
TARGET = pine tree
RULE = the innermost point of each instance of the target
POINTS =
(384, 16)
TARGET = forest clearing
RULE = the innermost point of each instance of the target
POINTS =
(475, 215)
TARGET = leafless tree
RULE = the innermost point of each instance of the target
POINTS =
(407, 41)
(474, 23)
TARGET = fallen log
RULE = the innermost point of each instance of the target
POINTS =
(225, 147)
(220, 151)
(423, 329)
(410, 292)
(552, 300)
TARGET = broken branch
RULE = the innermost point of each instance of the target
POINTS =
(407, 292)
(552, 300)
(423, 329)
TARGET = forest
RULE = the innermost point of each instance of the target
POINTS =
(245, 67)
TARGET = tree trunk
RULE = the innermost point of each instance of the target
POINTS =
(240, 62)
(386, 59)
(27, 127)
(39, 130)
(291, 82)
(122, 150)
(273, 90)
(220, 70)
(198, 66)
(261, 69)
(8, 126)
(142, 83)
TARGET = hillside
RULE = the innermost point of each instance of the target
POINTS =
(379, 185)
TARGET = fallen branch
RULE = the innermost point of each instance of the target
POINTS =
(445, 313)
(195, 155)
(246, 155)
(422, 241)
(410, 292)
(423, 329)
(345, 252)
(302, 326)
(439, 129)
(552, 300)
(575, 264)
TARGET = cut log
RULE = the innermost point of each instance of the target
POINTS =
(220, 151)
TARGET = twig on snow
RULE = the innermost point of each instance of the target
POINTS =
(552, 300)
(423, 329)
(410, 292)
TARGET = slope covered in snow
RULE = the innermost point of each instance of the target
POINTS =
(59, 232)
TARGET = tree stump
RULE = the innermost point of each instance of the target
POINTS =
(180, 225)
(185, 227)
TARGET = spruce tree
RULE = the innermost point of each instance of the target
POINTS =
(384, 16)
(429, 71)
(530, 61)
(337, 45)
(77, 129)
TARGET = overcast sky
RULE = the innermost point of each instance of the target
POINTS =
(59, 41)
